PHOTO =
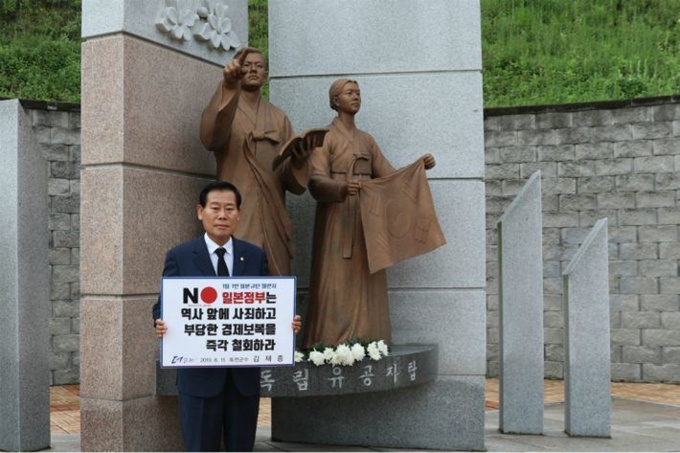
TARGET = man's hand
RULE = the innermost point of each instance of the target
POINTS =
(161, 328)
(297, 324)
(428, 160)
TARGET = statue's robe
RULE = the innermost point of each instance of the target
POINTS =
(245, 147)
(346, 300)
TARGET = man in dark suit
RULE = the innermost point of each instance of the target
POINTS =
(216, 403)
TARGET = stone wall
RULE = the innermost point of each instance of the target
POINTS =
(57, 128)
(619, 160)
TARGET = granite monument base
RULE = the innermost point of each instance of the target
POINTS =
(337, 404)
(449, 404)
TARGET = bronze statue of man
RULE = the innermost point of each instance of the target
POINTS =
(246, 133)
(346, 299)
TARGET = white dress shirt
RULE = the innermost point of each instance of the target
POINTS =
(228, 257)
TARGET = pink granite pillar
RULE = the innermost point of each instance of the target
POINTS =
(142, 168)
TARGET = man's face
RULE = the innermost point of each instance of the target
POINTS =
(255, 72)
(220, 216)
(349, 100)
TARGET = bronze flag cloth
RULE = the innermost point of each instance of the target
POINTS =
(398, 215)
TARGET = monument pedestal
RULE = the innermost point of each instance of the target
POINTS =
(341, 401)
(406, 366)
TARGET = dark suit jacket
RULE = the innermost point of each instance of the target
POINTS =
(191, 259)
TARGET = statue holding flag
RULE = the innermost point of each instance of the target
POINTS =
(368, 216)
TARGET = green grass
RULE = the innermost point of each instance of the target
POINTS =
(534, 51)
(258, 23)
(40, 49)
(258, 31)
(560, 51)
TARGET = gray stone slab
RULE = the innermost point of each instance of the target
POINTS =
(370, 36)
(104, 17)
(520, 280)
(24, 281)
(450, 319)
(452, 408)
(587, 345)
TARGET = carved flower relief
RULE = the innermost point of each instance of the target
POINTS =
(216, 26)
(176, 19)
(208, 23)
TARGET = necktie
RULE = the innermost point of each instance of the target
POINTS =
(222, 269)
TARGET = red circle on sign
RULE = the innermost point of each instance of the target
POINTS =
(208, 295)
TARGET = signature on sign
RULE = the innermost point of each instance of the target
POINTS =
(181, 359)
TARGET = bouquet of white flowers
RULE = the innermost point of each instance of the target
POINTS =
(345, 354)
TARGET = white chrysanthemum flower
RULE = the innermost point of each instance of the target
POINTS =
(317, 358)
(373, 351)
(344, 355)
(382, 347)
(358, 352)
(328, 354)
(299, 356)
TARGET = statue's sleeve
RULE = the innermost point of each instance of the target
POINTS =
(218, 116)
(380, 166)
(321, 186)
(295, 179)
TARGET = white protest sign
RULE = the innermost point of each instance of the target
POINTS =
(228, 321)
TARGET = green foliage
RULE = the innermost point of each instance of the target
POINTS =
(39, 69)
(258, 31)
(534, 51)
(39, 18)
(258, 25)
(558, 51)
(40, 49)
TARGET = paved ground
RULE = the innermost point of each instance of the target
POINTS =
(636, 426)
(645, 417)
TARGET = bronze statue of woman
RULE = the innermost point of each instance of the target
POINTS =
(346, 300)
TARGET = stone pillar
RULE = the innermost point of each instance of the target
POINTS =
(418, 64)
(587, 364)
(142, 168)
(24, 281)
(520, 281)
